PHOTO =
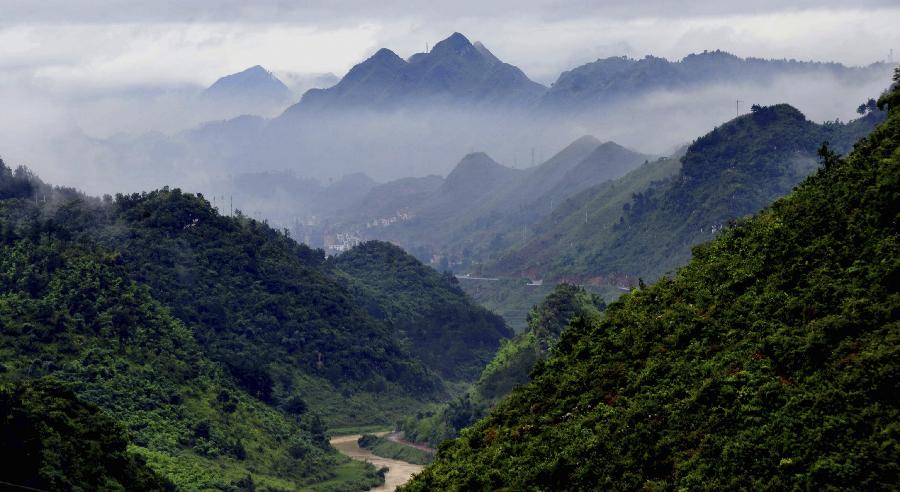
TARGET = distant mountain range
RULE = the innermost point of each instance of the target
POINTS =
(458, 71)
(454, 71)
(391, 117)
(646, 222)
(481, 207)
(609, 79)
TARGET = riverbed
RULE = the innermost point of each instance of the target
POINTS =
(399, 472)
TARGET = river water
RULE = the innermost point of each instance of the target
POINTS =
(399, 472)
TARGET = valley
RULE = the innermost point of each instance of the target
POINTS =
(437, 270)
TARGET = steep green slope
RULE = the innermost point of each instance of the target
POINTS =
(509, 368)
(438, 322)
(514, 361)
(69, 311)
(770, 361)
(51, 440)
(560, 243)
(735, 170)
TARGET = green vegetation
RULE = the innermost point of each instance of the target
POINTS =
(258, 302)
(509, 368)
(514, 361)
(381, 446)
(559, 244)
(644, 224)
(222, 346)
(68, 310)
(770, 361)
(51, 440)
(219, 344)
(434, 317)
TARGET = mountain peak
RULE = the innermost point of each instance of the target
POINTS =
(454, 71)
(385, 54)
(252, 85)
(476, 173)
(455, 44)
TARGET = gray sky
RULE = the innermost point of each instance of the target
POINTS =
(98, 45)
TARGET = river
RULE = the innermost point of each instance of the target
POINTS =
(399, 472)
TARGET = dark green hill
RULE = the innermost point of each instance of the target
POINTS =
(260, 303)
(770, 361)
(51, 440)
(438, 322)
(68, 310)
(645, 223)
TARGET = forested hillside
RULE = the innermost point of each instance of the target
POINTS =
(665, 207)
(222, 346)
(263, 305)
(769, 361)
(69, 311)
(51, 440)
(434, 317)
(509, 367)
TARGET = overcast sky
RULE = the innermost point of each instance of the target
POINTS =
(89, 45)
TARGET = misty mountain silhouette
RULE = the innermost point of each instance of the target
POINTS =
(454, 71)
(253, 85)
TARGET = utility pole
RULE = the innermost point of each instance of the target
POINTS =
(737, 107)
(231, 205)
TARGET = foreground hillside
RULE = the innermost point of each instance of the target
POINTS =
(770, 361)
(51, 440)
(220, 345)
(69, 313)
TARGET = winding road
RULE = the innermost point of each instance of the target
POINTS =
(399, 472)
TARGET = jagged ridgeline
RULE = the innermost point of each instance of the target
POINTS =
(769, 361)
(218, 343)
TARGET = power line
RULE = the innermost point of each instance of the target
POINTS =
(23, 487)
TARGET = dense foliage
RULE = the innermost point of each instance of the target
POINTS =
(770, 361)
(219, 342)
(513, 362)
(384, 447)
(509, 368)
(68, 310)
(51, 440)
(258, 301)
(438, 322)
